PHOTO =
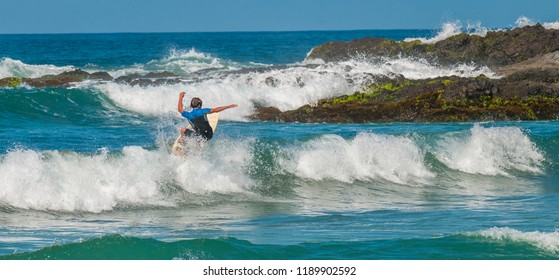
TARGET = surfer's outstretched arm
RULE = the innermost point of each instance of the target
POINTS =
(219, 109)
(180, 108)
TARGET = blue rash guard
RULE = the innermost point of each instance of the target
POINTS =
(197, 117)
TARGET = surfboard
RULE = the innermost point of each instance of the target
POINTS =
(180, 143)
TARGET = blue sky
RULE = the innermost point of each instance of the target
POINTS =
(101, 16)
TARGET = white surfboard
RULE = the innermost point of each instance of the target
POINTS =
(213, 119)
(180, 143)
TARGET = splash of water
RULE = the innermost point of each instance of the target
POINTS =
(16, 68)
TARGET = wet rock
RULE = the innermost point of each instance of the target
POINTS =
(527, 58)
(150, 79)
(262, 113)
(442, 99)
(10, 82)
(479, 88)
(60, 80)
(104, 76)
(64, 79)
(272, 82)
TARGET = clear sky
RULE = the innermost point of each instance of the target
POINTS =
(102, 16)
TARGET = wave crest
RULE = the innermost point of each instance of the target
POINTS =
(548, 241)
(16, 68)
(450, 29)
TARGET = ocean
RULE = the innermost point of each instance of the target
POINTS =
(85, 171)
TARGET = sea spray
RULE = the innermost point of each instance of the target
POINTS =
(220, 169)
(448, 30)
(523, 21)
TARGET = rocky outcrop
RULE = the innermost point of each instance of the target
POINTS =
(529, 90)
(495, 49)
(65, 79)
(442, 100)
(527, 58)
(150, 79)
(68, 78)
(61, 80)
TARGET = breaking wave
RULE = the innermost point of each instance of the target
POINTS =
(367, 157)
(16, 68)
(68, 181)
(250, 168)
(548, 241)
(485, 151)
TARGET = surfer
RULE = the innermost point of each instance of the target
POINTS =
(200, 125)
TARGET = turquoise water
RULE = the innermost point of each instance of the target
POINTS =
(86, 172)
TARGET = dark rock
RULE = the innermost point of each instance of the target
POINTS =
(150, 79)
(266, 114)
(60, 80)
(10, 82)
(104, 76)
(480, 88)
(127, 79)
(496, 48)
(271, 81)
(528, 58)
(442, 99)
(67, 78)
(160, 75)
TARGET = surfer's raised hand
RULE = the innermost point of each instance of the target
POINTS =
(179, 107)
(221, 108)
